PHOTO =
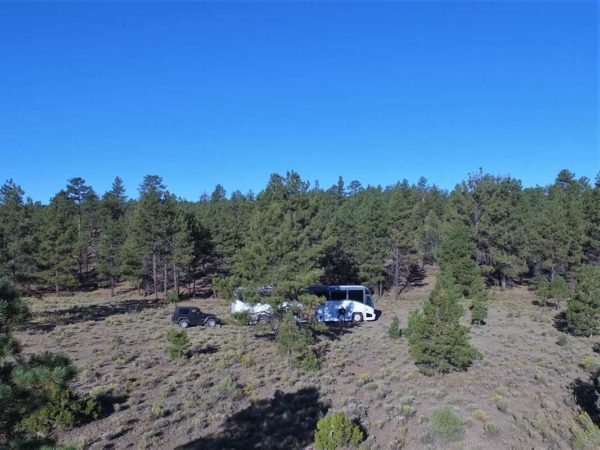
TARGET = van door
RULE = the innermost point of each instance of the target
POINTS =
(337, 306)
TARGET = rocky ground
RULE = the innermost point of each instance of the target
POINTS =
(235, 391)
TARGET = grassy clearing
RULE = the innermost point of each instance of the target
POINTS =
(233, 382)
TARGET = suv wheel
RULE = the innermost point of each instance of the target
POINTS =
(184, 323)
(211, 322)
(357, 317)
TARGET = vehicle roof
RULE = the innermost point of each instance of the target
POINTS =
(336, 286)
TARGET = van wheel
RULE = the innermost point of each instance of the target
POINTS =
(211, 322)
(357, 317)
(183, 323)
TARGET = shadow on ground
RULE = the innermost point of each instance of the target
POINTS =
(286, 421)
(584, 393)
(560, 322)
(77, 314)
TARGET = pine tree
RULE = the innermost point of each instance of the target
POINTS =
(592, 223)
(58, 249)
(403, 237)
(113, 233)
(480, 297)
(557, 228)
(583, 309)
(86, 201)
(146, 234)
(18, 235)
(456, 257)
(438, 342)
(34, 394)
(430, 237)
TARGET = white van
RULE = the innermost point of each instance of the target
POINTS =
(344, 303)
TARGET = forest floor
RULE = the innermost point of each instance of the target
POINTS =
(235, 391)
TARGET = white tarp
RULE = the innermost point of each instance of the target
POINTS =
(253, 308)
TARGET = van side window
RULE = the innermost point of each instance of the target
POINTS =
(356, 295)
(338, 295)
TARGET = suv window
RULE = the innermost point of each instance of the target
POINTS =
(195, 310)
(338, 295)
(184, 311)
(356, 295)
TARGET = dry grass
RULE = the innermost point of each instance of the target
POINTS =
(519, 396)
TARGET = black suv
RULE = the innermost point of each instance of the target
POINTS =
(186, 316)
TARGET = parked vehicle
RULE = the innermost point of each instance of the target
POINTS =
(186, 316)
(260, 312)
(344, 303)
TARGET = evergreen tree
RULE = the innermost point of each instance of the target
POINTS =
(456, 257)
(438, 342)
(86, 201)
(592, 223)
(557, 229)
(146, 234)
(280, 247)
(360, 223)
(58, 249)
(403, 235)
(430, 237)
(583, 309)
(113, 233)
(34, 394)
(18, 235)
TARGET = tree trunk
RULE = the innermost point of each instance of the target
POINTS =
(503, 282)
(166, 280)
(154, 276)
(176, 279)
(112, 280)
(56, 282)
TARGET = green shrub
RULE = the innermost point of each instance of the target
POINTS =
(501, 402)
(556, 289)
(588, 437)
(590, 363)
(64, 409)
(583, 313)
(241, 317)
(562, 340)
(337, 431)
(446, 424)
(394, 331)
(310, 362)
(173, 297)
(295, 343)
(479, 312)
(178, 343)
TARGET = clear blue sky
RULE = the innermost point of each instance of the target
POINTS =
(228, 93)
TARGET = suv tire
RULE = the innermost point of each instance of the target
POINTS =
(211, 322)
(184, 323)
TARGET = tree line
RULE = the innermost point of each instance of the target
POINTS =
(292, 234)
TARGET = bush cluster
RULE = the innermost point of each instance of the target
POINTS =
(179, 343)
(336, 431)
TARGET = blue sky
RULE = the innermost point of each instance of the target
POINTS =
(209, 93)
